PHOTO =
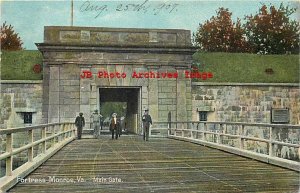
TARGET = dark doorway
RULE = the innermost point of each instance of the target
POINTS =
(124, 101)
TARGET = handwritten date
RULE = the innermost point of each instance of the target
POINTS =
(154, 8)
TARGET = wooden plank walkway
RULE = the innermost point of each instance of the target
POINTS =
(160, 165)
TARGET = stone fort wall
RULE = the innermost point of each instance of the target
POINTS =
(18, 97)
(245, 102)
(235, 102)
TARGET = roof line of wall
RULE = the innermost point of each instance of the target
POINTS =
(243, 84)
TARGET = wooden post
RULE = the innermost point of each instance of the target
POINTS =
(192, 128)
(69, 133)
(71, 129)
(219, 141)
(224, 131)
(61, 130)
(169, 129)
(74, 131)
(64, 136)
(169, 123)
(44, 147)
(197, 134)
(55, 139)
(30, 141)
(9, 142)
(204, 132)
(241, 134)
(52, 133)
(271, 142)
(299, 152)
(56, 128)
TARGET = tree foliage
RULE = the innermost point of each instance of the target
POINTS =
(10, 40)
(272, 32)
(107, 108)
(221, 34)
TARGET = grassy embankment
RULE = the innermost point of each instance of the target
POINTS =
(226, 67)
(249, 68)
(18, 65)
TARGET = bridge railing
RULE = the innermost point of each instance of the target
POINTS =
(277, 144)
(159, 129)
(38, 144)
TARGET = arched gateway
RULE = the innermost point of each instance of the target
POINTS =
(84, 66)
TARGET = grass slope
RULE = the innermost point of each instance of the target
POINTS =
(249, 68)
(18, 65)
(226, 67)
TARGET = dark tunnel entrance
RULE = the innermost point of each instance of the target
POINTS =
(126, 102)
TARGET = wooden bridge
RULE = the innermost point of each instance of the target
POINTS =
(130, 164)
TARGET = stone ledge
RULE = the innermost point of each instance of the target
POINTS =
(243, 84)
(133, 36)
(21, 81)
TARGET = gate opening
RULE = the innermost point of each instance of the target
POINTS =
(124, 101)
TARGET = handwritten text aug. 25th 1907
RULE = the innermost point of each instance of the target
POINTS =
(155, 8)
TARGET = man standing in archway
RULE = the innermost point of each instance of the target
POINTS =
(146, 124)
(114, 126)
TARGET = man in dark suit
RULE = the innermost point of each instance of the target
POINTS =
(146, 118)
(80, 123)
(114, 126)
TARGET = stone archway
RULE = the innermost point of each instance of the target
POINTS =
(69, 52)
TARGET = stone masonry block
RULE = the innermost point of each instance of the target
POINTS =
(162, 107)
(167, 101)
(84, 100)
(70, 101)
(85, 109)
(171, 108)
(167, 95)
(165, 89)
(54, 85)
(144, 101)
(54, 99)
(93, 101)
(54, 73)
(93, 95)
(70, 88)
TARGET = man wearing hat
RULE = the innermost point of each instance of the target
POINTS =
(79, 122)
(96, 120)
(114, 126)
(146, 124)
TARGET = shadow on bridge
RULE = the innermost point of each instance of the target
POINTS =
(161, 165)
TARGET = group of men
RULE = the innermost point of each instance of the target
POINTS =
(114, 126)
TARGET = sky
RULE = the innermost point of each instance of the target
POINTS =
(29, 17)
